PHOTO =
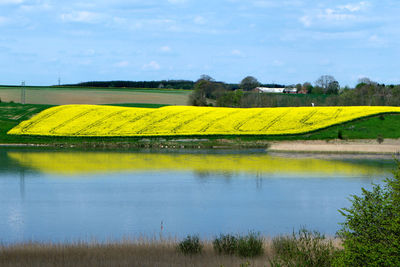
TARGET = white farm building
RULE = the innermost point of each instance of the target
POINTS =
(269, 90)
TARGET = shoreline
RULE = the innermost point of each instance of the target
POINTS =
(335, 146)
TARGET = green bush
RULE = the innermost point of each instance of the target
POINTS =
(371, 231)
(380, 139)
(225, 244)
(306, 248)
(250, 245)
(190, 245)
(340, 135)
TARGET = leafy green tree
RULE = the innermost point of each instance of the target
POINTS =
(371, 231)
(333, 88)
(249, 83)
(317, 90)
(307, 87)
(206, 88)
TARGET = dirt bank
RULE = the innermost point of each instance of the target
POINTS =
(388, 146)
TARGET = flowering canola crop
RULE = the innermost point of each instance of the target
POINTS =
(92, 120)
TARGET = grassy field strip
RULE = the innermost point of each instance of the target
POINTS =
(116, 89)
(92, 120)
(96, 96)
(74, 163)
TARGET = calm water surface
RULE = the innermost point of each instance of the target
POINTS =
(67, 196)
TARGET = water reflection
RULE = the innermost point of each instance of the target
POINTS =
(22, 184)
(203, 165)
(53, 196)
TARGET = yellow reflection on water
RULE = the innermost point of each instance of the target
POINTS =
(75, 163)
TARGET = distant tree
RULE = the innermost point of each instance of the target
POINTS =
(328, 84)
(206, 88)
(206, 77)
(317, 90)
(333, 88)
(298, 87)
(230, 99)
(366, 80)
(197, 98)
(306, 88)
(249, 83)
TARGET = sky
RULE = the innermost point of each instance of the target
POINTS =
(286, 41)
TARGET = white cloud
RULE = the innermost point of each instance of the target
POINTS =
(3, 20)
(122, 64)
(199, 20)
(12, 2)
(278, 63)
(153, 65)
(34, 7)
(355, 7)
(376, 41)
(334, 15)
(81, 16)
(165, 48)
(274, 3)
(264, 3)
(237, 52)
(306, 20)
(177, 1)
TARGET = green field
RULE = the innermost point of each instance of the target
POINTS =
(11, 114)
(90, 95)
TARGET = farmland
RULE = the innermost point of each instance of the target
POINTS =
(78, 95)
(92, 120)
(11, 114)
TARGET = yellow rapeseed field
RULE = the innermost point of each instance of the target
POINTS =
(76, 163)
(92, 120)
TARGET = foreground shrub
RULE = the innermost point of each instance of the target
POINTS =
(247, 246)
(250, 245)
(306, 248)
(371, 231)
(225, 244)
(190, 245)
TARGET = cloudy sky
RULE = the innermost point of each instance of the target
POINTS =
(286, 41)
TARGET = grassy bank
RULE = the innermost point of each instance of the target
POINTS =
(375, 127)
(303, 249)
(116, 254)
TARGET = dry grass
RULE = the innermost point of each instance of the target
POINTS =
(128, 253)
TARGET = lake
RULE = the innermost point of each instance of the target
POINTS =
(63, 196)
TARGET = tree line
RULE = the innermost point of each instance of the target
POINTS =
(326, 91)
(167, 84)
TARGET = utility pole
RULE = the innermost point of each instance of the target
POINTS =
(23, 92)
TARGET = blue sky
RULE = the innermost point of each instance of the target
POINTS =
(287, 41)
